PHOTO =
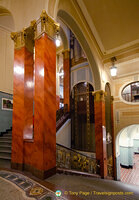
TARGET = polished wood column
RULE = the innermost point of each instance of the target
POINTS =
(113, 139)
(22, 97)
(100, 131)
(66, 66)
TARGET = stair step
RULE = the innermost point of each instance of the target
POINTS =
(5, 147)
(5, 151)
(7, 134)
(5, 142)
(5, 157)
(10, 132)
(5, 138)
(5, 154)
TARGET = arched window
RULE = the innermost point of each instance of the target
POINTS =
(130, 92)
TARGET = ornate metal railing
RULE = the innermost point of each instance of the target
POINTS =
(62, 115)
(70, 159)
(110, 166)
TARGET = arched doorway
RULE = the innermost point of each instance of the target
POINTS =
(82, 115)
(127, 155)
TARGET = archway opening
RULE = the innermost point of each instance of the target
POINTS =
(127, 155)
(73, 26)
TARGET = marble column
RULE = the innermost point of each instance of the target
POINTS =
(113, 139)
(66, 67)
(44, 151)
(22, 94)
(100, 131)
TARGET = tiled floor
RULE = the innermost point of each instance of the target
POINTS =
(93, 188)
(17, 186)
(131, 176)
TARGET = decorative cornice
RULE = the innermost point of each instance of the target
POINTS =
(24, 38)
(45, 24)
(66, 53)
(99, 95)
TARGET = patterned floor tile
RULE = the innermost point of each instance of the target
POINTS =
(32, 189)
(131, 176)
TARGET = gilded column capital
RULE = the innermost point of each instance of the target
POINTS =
(99, 95)
(45, 24)
(24, 38)
(66, 53)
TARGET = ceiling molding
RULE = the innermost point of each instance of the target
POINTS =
(104, 53)
(90, 24)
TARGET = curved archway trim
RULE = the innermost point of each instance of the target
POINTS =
(70, 22)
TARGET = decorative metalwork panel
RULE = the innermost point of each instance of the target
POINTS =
(82, 115)
(110, 166)
(70, 159)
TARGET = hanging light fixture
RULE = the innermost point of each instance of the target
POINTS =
(113, 69)
(57, 41)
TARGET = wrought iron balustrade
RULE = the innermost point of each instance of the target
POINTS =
(110, 166)
(70, 159)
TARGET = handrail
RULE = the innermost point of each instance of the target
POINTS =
(71, 159)
(74, 151)
(62, 120)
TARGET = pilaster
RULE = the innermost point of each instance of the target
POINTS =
(100, 131)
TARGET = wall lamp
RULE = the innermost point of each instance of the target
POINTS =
(113, 69)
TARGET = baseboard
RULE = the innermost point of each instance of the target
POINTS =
(41, 174)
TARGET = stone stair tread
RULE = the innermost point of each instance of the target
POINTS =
(5, 151)
(5, 157)
(5, 141)
(7, 135)
(5, 138)
(4, 145)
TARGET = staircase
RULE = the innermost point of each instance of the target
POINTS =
(5, 149)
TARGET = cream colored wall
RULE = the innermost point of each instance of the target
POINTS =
(63, 135)
(24, 11)
(125, 113)
(33, 9)
(6, 62)
(21, 13)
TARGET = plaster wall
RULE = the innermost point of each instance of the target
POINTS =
(125, 113)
